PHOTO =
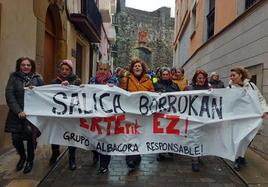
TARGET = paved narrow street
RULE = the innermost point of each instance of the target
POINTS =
(168, 173)
(133, 77)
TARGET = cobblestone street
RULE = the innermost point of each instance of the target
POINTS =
(168, 173)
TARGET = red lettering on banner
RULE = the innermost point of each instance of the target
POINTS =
(109, 121)
(171, 126)
(119, 126)
(136, 127)
(128, 128)
(83, 123)
(118, 129)
(156, 123)
(95, 125)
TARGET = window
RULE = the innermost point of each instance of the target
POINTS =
(114, 20)
(211, 5)
(211, 19)
(254, 79)
(193, 19)
(249, 3)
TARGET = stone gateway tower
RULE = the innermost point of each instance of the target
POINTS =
(144, 35)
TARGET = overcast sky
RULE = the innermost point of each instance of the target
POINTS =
(151, 5)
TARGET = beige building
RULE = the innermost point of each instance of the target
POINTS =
(48, 31)
(217, 35)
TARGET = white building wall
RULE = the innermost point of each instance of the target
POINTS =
(184, 47)
(243, 44)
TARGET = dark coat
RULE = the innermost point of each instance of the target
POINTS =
(216, 84)
(196, 87)
(15, 98)
(166, 86)
(72, 79)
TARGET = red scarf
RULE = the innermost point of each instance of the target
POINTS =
(102, 78)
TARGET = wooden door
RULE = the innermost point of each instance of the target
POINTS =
(49, 49)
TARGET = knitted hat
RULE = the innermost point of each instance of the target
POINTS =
(69, 63)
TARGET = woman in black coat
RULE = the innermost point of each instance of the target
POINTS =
(17, 124)
(215, 81)
(165, 84)
(66, 77)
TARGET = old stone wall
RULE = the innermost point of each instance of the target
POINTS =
(145, 35)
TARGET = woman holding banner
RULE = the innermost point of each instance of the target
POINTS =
(21, 129)
(240, 77)
(199, 82)
(66, 77)
(136, 81)
(165, 84)
(103, 76)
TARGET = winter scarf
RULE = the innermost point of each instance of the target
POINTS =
(102, 78)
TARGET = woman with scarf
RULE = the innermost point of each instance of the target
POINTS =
(199, 82)
(178, 78)
(240, 78)
(136, 81)
(66, 77)
(103, 76)
(17, 124)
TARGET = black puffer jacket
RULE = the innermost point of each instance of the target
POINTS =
(197, 87)
(15, 98)
(216, 84)
(166, 86)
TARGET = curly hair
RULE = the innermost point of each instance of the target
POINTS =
(242, 71)
(135, 61)
(19, 61)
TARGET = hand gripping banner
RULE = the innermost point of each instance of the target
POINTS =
(219, 122)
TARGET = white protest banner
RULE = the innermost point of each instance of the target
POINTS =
(219, 122)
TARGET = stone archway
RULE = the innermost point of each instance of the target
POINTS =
(145, 54)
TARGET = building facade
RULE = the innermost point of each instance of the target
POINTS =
(145, 35)
(107, 10)
(49, 31)
(218, 35)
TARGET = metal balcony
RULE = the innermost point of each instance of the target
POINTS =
(89, 21)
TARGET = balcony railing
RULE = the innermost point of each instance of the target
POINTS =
(90, 9)
(88, 21)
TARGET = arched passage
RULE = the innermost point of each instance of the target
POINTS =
(145, 54)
